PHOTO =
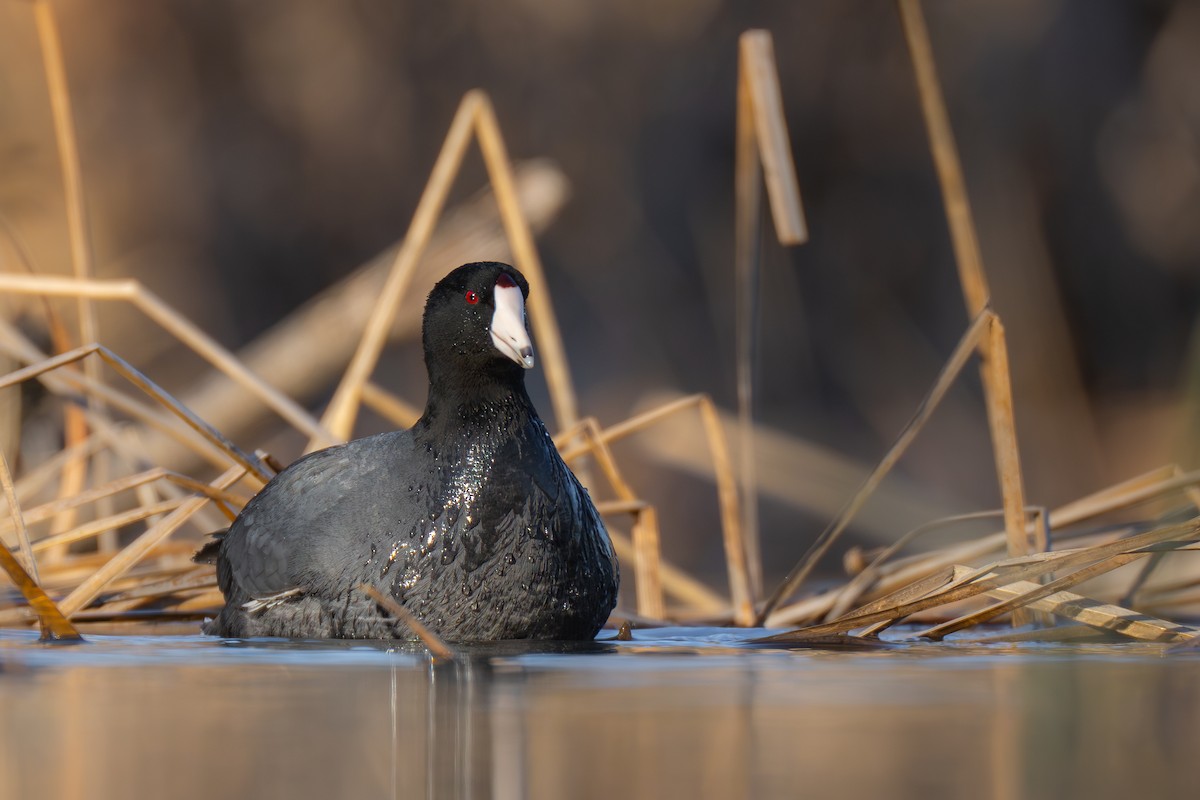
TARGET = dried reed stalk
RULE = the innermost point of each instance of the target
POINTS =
(474, 116)
(79, 232)
(78, 229)
(738, 551)
(761, 119)
(762, 137)
(75, 425)
(82, 254)
(676, 582)
(994, 369)
(343, 408)
(187, 579)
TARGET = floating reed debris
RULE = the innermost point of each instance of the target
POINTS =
(957, 583)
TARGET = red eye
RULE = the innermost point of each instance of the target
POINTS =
(472, 297)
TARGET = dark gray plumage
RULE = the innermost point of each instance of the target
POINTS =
(469, 519)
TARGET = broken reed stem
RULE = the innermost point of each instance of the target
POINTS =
(1004, 443)
(738, 553)
(761, 138)
(343, 409)
(647, 548)
(432, 642)
(192, 578)
(758, 81)
(631, 426)
(958, 359)
(149, 387)
(525, 256)
(994, 369)
(392, 408)
(178, 326)
(136, 550)
(46, 511)
(204, 346)
(70, 383)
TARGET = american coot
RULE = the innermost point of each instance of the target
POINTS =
(469, 519)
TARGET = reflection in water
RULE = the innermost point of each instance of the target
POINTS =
(458, 758)
(683, 715)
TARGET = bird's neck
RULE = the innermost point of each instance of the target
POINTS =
(478, 409)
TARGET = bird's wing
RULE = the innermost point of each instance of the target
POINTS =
(287, 536)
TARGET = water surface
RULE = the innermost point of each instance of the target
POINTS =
(692, 713)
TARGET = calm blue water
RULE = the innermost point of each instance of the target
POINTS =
(680, 712)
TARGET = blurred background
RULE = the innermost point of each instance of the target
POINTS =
(241, 157)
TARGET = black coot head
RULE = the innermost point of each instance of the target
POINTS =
(475, 324)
